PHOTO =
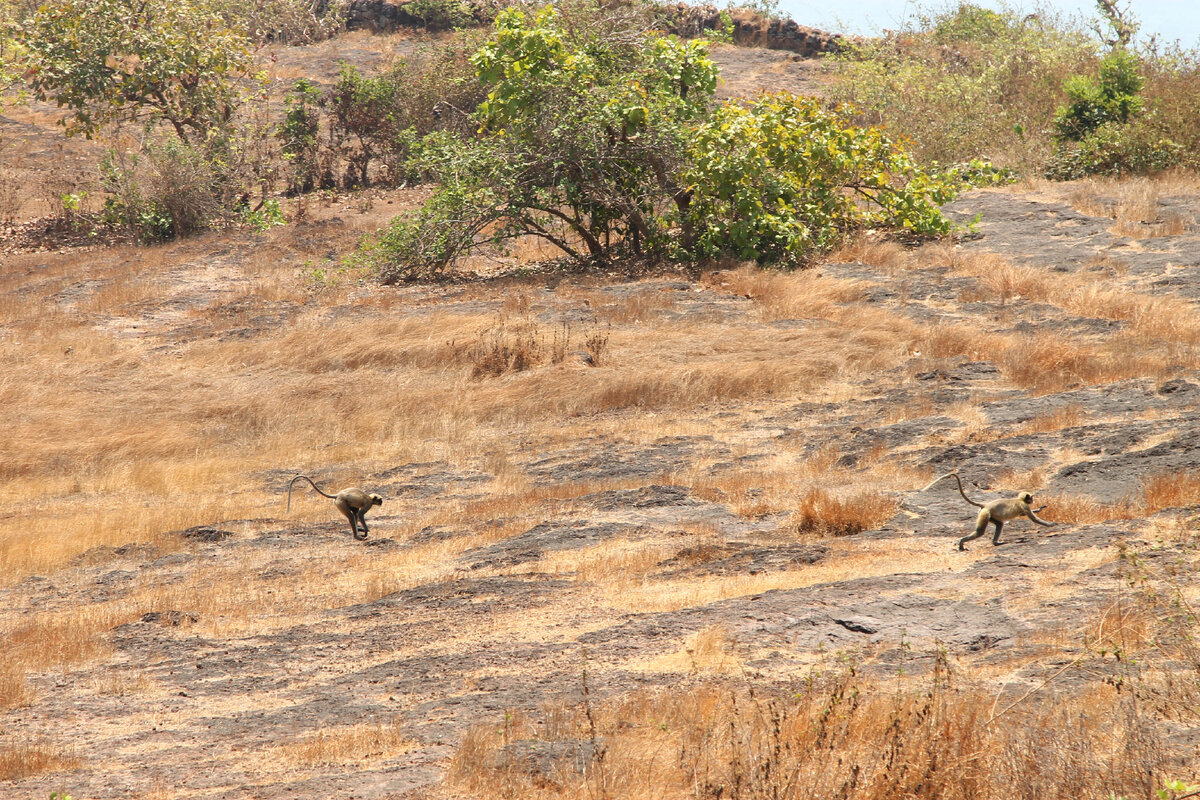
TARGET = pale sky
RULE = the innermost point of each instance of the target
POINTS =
(1170, 19)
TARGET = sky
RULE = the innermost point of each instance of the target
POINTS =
(1170, 19)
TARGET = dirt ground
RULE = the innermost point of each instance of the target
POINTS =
(598, 535)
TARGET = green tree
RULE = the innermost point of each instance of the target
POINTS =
(109, 60)
(584, 126)
(600, 138)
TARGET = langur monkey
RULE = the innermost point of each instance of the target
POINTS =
(996, 512)
(354, 503)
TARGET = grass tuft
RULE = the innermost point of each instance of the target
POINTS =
(825, 514)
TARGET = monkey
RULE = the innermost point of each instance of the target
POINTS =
(996, 512)
(353, 503)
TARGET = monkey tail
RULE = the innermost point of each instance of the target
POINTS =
(292, 483)
(960, 487)
(964, 494)
(935, 480)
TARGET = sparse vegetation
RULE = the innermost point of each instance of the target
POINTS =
(653, 520)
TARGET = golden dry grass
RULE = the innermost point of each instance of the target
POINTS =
(346, 744)
(823, 513)
(121, 434)
(837, 735)
(20, 758)
(1156, 492)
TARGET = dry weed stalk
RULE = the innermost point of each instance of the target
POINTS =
(843, 736)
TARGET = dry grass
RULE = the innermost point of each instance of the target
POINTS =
(825, 514)
(886, 254)
(637, 308)
(1149, 317)
(1169, 489)
(1158, 491)
(1070, 416)
(1133, 204)
(707, 651)
(840, 736)
(20, 758)
(347, 744)
(858, 559)
(804, 294)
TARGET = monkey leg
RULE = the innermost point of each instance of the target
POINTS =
(996, 535)
(980, 527)
(362, 519)
(349, 513)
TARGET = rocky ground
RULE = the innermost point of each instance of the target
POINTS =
(505, 629)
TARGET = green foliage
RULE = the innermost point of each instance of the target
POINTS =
(364, 119)
(168, 190)
(1177, 789)
(599, 138)
(1139, 147)
(112, 60)
(1093, 103)
(979, 172)
(441, 15)
(596, 121)
(965, 82)
(12, 49)
(300, 132)
(423, 243)
(782, 178)
(372, 122)
(267, 215)
(286, 21)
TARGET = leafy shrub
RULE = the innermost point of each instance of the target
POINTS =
(441, 15)
(371, 123)
(782, 178)
(364, 120)
(423, 243)
(300, 132)
(1114, 149)
(285, 21)
(163, 192)
(1093, 103)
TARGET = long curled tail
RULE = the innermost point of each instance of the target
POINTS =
(292, 483)
(960, 487)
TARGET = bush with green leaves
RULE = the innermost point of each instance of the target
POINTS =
(365, 120)
(441, 15)
(12, 50)
(1141, 147)
(370, 123)
(300, 134)
(1112, 98)
(166, 190)
(285, 21)
(600, 139)
(145, 60)
(782, 178)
